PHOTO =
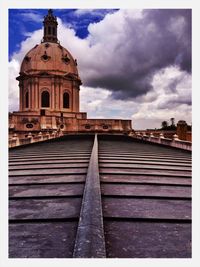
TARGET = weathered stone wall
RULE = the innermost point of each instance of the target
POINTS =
(24, 123)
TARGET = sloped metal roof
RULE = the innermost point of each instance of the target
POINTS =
(111, 196)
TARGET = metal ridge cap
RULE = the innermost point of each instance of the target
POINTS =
(90, 241)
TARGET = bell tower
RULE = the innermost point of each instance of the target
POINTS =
(50, 28)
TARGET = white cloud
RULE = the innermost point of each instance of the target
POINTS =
(28, 44)
(148, 111)
(99, 104)
(81, 12)
(92, 12)
(14, 66)
(31, 16)
(172, 88)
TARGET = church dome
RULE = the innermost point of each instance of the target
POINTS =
(49, 57)
(48, 78)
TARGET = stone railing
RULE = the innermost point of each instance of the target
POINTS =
(175, 142)
(16, 141)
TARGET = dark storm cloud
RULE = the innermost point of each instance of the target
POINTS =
(173, 103)
(159, 39)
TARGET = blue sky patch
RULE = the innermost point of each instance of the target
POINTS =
(22, 22)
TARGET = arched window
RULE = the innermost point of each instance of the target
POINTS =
(45, 99)
(65, 100)
(49, 30)
(26, 100)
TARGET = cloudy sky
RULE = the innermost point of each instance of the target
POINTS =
(134, 64)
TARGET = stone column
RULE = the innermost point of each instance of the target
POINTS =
(30, 137)
(36, 93)
(175, 137)
(56, 92)
(16, 139)
(72, 97)
(60, 94)
(40, 136)
(22, 87)
(20, 96)
(32, 95)
(151, 135)
(78, 103)
(52, 94)
(76, 98)
(48, 135)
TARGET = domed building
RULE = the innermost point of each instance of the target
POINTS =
(49, 86)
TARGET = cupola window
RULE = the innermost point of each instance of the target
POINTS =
(66, 59)
(27, 58)
(45, 57)
(45, 99)
(26, 100)
(105, 127)
(65, 100)
(87, 126)
(49, 30)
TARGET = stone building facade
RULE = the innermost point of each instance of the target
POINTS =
(49, 86)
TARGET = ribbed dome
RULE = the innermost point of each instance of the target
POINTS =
(49, 57)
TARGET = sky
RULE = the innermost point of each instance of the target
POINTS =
(134, 64)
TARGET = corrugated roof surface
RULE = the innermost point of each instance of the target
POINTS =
(145, 199)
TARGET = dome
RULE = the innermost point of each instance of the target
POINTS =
(49, 57)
